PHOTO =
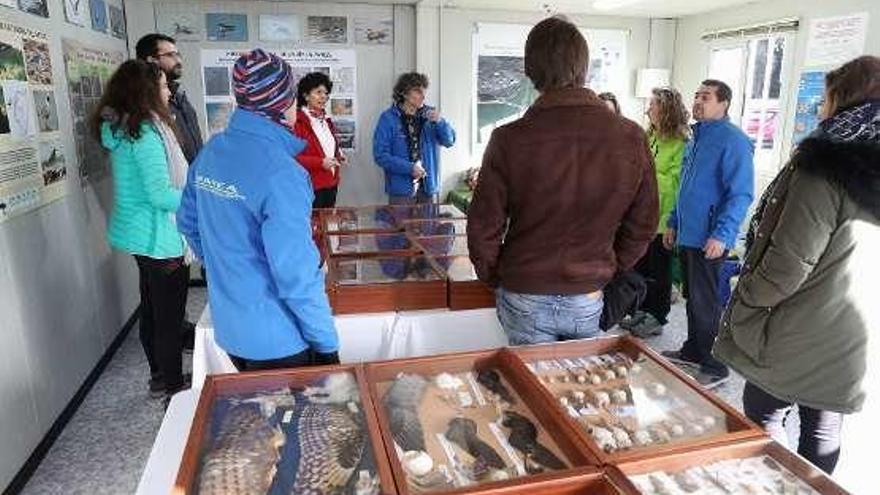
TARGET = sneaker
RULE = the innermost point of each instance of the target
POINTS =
(648, 327)
(678, 358)
(630, 321)
(158, 389)
(710, 380)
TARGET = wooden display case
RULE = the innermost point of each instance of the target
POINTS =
(647, 402)
(676, 463)
(219, 387)
(436, 407)
(580, 481)
(387, 283)
(370, 244)
(465, 290)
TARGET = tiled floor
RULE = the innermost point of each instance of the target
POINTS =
(104, 448)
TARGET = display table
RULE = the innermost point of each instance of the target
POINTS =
(375, 337)
(161, 468)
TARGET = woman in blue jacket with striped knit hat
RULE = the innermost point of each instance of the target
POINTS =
(246, 211)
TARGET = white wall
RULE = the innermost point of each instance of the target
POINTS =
(63, 294)
(445, 53)
(363, 182)
(692, 55)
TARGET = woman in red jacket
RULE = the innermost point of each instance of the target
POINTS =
(321, 156)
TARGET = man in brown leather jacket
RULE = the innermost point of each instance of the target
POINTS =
(567, 197)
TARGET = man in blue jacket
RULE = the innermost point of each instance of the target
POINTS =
(406, 141)
(246, 212)
(717, 186)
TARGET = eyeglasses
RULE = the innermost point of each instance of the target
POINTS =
(174, 54)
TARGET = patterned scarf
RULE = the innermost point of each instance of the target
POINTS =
(177, 167)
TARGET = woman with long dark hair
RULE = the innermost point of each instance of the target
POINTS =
(149, 171)
(321, 156)
(797, 325)
(667, 135)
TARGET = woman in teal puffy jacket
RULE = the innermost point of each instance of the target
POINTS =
(134, 124)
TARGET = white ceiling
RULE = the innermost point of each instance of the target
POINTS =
(635, 8)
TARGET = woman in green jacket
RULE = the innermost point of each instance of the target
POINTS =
(149, 172)
(667, 134)
(797, 327)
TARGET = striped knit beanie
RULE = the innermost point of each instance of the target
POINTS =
(263, 84)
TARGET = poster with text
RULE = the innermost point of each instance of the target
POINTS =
(28, 120)
(811, 91)
(836, 40)
(88, 69)
(504, 92)
(340, 65)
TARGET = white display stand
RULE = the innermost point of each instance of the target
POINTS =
(161, 468)
(375, 337)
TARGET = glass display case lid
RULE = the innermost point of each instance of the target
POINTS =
(359, 243)
(384, 270)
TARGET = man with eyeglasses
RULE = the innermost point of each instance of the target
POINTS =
(162, 51)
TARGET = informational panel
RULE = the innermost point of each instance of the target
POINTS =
(503, 90)
(340, 65)
(836, 40)
(88, 69)
(33, 167)
(811, 89)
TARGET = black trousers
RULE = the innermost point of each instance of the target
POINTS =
(304, 358)
(819, 439)
(325, 198)
(163, 287)
(703, 308)
(656, 267)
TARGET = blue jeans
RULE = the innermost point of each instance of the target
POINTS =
(537, 319)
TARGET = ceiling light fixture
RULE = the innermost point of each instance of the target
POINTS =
(613, 4)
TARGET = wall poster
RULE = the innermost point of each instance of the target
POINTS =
(502, 88)
(88, 70)
(836, 40)
(340, 65)
(33, 168)
(811, 91)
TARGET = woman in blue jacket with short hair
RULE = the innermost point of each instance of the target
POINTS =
(406, 141)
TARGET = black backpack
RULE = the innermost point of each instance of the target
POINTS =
(623, 296)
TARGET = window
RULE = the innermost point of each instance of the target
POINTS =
(755, 69)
